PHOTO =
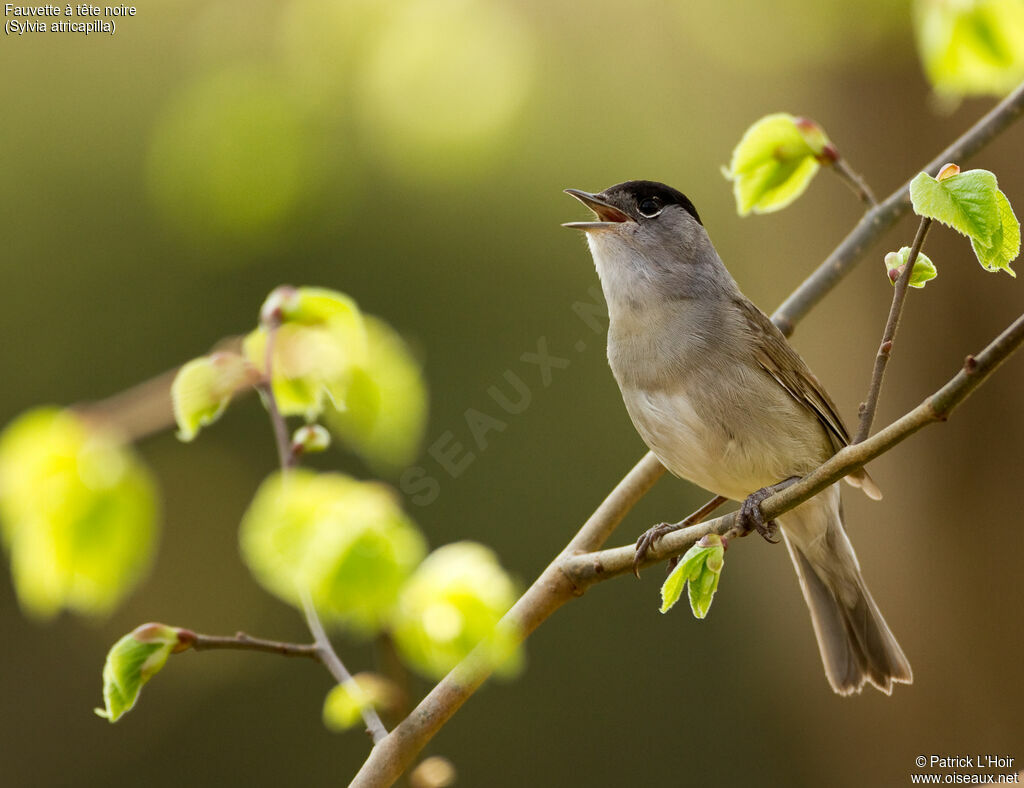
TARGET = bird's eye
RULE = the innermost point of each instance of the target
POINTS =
(649, 207)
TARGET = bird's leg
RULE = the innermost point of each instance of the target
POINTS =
(651, 536)
(749, 517)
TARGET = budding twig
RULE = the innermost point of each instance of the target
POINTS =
(854, 180)
(330, 658)
(870, 404)
(240, 641)
(285, 454)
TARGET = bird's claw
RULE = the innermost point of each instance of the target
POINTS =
(749, 517)
(648, 539)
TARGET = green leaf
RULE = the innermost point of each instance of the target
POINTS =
(78, 513)
(132, 661)
(320, 341)
(965, 202)
(347, 542)
(972, 204)
(385, 406)
(700, 568)
(971, 47)
(452, 603)
(1005, 244)
(924, 270)
(203, 388)
(345, 703)
(774, 162)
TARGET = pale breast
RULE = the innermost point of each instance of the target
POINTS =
(732, 442)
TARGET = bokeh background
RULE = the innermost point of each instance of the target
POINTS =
(158, 183)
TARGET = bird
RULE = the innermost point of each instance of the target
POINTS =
(724, 401)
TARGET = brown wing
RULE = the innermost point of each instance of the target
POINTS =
(777, 357)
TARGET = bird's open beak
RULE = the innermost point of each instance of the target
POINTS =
(608, 214)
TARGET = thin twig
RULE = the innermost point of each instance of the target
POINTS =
(870, 404)
(327, 655)
(243, 642)
(284, 446)
(145, 408)
(854, 180)
(325, 651)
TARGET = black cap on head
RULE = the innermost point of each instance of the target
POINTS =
(643, 190)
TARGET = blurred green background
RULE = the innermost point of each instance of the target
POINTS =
(158, 183)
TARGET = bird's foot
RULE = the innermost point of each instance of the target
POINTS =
(649, 538)
(749, 517)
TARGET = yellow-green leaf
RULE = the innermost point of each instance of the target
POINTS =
(385, 407)
(971, 203)
(321, 339)
(345, 541)
(203, 388)
(345, 703)
(924, 269)
(700, 568)
(774, 162)
(452, 603)
(1005, 242)
(971, 47)
(78, 513)
(132, 661)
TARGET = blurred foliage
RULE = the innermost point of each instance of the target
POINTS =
(347, 542)
(231, 156)
(385, 407)
(423, 125)
(450, 605)
(971, 47)
(78, 513)
(203, 388)
(319, 338)
(345, 703)
(329, 360)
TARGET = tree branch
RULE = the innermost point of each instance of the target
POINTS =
(870, 404)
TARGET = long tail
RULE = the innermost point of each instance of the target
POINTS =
(855, 642)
